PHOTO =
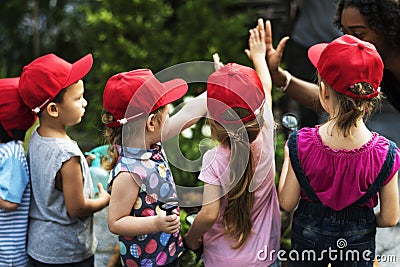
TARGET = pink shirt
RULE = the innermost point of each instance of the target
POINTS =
(340, 177)
(265, 214)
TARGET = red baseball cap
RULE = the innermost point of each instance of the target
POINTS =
(42, 79)
(234, 86)
(14, 114)
(131, 95)
(346, 61)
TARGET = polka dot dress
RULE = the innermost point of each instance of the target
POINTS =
(157, 185)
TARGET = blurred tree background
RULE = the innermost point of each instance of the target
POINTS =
(127, 34)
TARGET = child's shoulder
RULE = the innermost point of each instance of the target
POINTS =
(11, 148)
(216, 154)
(58, 145)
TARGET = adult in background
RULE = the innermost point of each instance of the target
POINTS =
(374, 21)
(308, 30)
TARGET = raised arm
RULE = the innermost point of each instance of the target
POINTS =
(304, 92)
(256, 53)
(189, 114)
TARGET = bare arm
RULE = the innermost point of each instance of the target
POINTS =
(288, 188)
(304, 92)
(206, 217)
(389, 203)
(189, 114)
(72, 184)
(7, 205)
(123, 197)
(257, 53)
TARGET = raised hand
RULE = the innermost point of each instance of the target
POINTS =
(257, 45)
(274, 56)
(217, 63)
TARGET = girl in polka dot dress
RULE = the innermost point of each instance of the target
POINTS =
(136, 119)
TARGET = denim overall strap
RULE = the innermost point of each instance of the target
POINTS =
(382, 176)
(298, 170)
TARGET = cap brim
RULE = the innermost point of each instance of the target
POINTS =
(175, 89)
(315, 51)
(79, 69)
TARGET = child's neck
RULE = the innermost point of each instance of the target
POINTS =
(335, 139)
(52, 131)
(142, 143)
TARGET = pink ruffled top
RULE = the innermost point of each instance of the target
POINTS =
(339, 176)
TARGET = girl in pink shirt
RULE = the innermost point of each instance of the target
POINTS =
(239, 222)
(338, 169)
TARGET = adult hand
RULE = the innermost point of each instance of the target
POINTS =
(274, 56)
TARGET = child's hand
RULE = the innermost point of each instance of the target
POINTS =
(168, 223)
(103, 194)
(217, 63)
(257, 46)
(193, 244)
(90, 158)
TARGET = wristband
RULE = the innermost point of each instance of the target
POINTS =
(287, 81)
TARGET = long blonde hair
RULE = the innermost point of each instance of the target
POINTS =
(237, 215)
(113, 136)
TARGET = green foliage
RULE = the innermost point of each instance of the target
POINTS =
(123, 35)
(189, 258)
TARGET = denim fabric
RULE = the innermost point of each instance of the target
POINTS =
(85, 263)
(344, 238)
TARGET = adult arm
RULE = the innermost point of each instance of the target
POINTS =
(206, 216)
(304, 92)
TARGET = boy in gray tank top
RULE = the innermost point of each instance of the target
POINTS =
(62, 203)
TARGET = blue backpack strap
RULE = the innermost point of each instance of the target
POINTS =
(298, 170)
(382, 176)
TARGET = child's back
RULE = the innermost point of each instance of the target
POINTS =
(265, 214)
(15, 190)
(239, 222)
(337, 169)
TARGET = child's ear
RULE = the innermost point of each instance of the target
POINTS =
(52, 110)
(324, 91)
(150, 123)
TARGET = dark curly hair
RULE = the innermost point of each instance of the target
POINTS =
(383, 15)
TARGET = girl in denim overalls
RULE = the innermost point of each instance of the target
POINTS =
(337, 169)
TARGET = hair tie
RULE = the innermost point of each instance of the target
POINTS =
(240, 135)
